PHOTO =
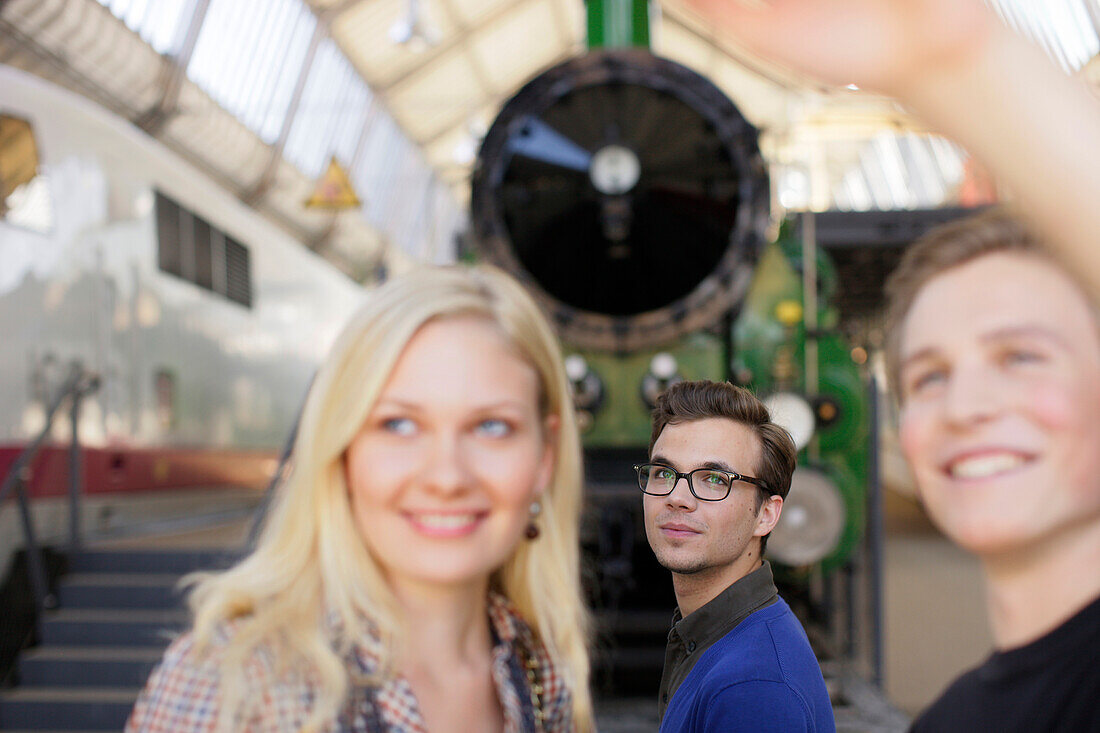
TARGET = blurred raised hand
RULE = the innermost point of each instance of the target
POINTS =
(886, 45)
(954, 64)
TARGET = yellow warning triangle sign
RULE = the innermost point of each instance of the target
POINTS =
(333, 190)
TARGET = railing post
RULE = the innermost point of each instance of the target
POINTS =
(76, 473)
(78, 383)
(875, 539)
(35, 569)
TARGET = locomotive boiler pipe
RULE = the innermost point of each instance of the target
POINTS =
(618, 23)
(875, 537)
(809, 309)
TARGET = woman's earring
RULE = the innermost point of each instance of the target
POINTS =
(532, 530)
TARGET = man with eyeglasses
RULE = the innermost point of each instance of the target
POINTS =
(737, 658)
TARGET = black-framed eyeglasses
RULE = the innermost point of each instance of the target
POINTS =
(706, 484)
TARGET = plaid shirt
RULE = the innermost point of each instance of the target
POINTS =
(183, 693)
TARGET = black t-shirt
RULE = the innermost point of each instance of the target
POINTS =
(1051, 684)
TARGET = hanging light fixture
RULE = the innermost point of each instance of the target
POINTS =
(413, 31)
(465, 150)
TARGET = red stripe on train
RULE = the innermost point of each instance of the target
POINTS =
(121, 469)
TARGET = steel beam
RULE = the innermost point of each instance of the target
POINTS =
(12, 34)
(561, 23)
(319, 243)
(173, 74)
(341, 7)
(373, 110)
(459, 39)
(263, 184)
(498, 99)
(1094, 15)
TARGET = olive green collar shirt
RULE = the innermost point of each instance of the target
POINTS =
(690, 637)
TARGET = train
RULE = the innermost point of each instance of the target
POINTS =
(203, 321)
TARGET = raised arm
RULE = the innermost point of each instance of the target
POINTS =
(956, 66)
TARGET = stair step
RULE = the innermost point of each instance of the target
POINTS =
(131, 627)
(54, 708)
(118, 611)
(83, 666)
(638, 622)
(105, 695)
(176, 562)
(120, 590)
(635, 659)
(121, 579)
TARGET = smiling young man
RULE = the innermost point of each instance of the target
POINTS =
(737, 658)
(994, 350)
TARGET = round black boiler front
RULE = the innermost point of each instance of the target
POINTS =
(628, 193)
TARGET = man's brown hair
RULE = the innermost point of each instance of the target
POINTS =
(944, 248)
(689, 401)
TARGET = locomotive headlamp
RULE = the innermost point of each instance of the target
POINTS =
(588, 391)
(576, 367)
(615, 170)
(663, 366)
(812, 520)
(793, 412)
(664, 371)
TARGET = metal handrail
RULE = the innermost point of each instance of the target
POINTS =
(79, 384)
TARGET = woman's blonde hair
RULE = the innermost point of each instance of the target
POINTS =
(311, 574)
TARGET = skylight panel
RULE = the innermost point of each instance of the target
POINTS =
(248, 57)
(331, 115)
(1065, 29)
(158, 22)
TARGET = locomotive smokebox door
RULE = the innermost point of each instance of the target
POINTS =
(628, 193)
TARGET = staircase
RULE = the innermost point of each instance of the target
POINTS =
(117, 611)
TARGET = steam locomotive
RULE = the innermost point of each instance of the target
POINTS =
(628, 193)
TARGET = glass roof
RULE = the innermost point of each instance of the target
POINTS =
(394, 115)
(248, 57)
(1066, 29)
(907, 170)
(332, 114)
(158, 22)
(901, 171)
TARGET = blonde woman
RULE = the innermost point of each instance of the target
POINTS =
(419, 569)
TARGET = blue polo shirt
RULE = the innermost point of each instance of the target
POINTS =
(761, 676)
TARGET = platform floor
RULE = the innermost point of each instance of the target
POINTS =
(226, 534)
(934, 606)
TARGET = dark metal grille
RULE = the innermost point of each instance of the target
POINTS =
(168, 236)
(238, 273)
(192, 249)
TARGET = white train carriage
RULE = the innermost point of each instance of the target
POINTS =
(204, 320)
